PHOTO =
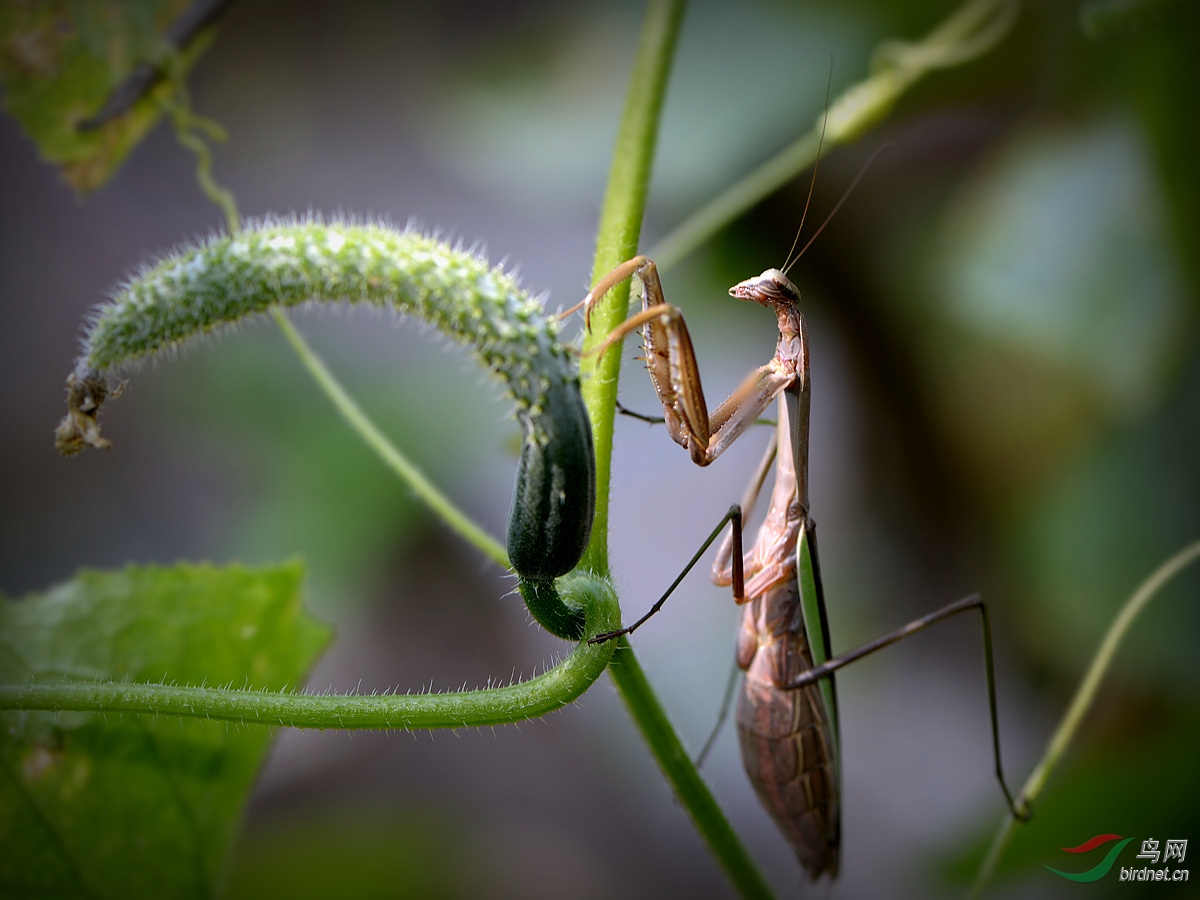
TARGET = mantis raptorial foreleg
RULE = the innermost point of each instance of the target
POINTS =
(671, 361)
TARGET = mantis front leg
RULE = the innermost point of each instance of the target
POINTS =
(671, 362)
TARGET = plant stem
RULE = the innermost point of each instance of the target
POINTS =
(1082, 701)
(462, 709)
(675, 763)
(620, 226)
(617, 240)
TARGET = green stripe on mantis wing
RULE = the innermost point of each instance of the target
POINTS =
(816, 626)
(198, 290)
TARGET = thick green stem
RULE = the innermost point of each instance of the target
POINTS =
(677, 766)
(617, 240)
(620, 226)
(1082, 701)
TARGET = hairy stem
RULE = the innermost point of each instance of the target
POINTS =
(488, 706)
(620, 226)
(187, 124)
(617, 240)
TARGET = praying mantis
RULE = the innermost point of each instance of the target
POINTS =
(787, 712)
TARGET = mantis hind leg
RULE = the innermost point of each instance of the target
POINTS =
(1020, 808)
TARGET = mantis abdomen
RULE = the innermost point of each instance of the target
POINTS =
(785, 735)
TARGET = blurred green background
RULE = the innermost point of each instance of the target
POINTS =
(1006, 400)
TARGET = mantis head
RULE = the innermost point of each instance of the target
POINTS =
(771, 288)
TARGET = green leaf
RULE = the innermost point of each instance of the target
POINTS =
(60, 61)
(129, 806)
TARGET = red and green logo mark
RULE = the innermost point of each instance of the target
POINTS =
(1175, 850)
(1098, 871)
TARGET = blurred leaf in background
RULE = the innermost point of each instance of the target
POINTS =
(1134, 778)
(60, 61)
(1062, 368)
(533, 112)
(1063, 301)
